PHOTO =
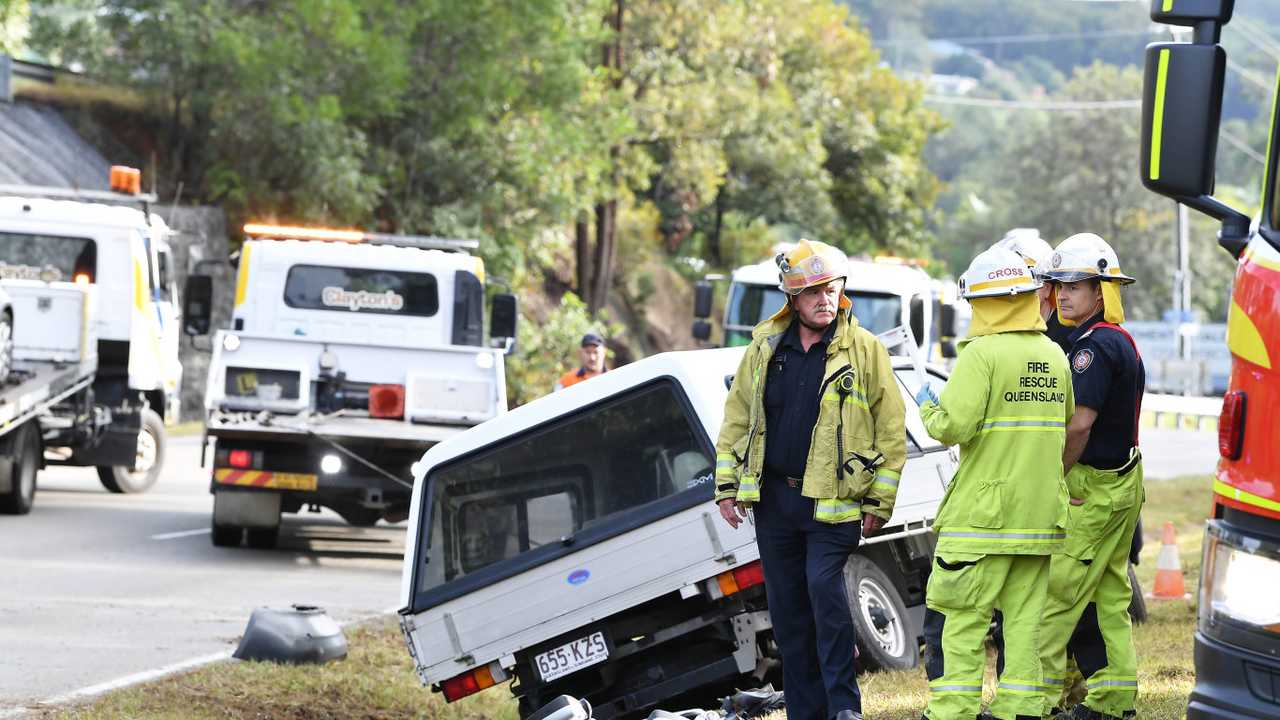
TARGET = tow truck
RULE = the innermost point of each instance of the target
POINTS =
(572, 547)
(349, 354)
(112, 241)
(1237, 642)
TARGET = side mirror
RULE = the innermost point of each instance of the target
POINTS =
(503, 312)
(947, 331)
(917, 321)
(701, 330)
(1192, 12)
(702, 295)
(1181, 110)
(197, 306)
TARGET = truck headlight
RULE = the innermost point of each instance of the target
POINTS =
(330, 464)
(231, 343)
(1239, 584)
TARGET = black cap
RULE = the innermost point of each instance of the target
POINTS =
(592, 338)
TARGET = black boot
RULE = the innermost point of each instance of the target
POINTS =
(848, 715)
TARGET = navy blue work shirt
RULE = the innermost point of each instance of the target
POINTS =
(1107, 375)
(791, 398)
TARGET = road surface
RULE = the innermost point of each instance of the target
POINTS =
(99, 586)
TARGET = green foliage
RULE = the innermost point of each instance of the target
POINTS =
(549, 348)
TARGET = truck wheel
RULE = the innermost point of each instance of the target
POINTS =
(1137, 603)
(23, 446)
(263, 538)
(150, 460)
(226, 535)
(879, 618)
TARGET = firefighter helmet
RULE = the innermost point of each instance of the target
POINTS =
(810, 263)
(997, 272)
(1084, 256)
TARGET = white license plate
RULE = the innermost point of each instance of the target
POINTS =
(572, 657)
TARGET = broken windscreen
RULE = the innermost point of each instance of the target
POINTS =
(575, 481)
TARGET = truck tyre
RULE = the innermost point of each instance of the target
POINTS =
(1137, 603)
(151, 450)
(879, 618)
(226, 535)
(23, 446)
(262, 538)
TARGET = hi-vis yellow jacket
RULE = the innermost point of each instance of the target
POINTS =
(1006, 405)
(871, 416)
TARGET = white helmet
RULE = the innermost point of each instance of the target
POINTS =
(997, 272)
(1084, 256)
(1033, 250)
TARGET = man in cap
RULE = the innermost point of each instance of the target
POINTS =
(1088, 611)
(591, 353)
(1006, 405)
(814, 439)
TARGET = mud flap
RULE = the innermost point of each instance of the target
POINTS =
(246, 509)
(116, 446)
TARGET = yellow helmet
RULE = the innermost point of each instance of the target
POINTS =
(810, 263)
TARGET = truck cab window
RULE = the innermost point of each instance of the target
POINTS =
(580, 476)
(26, 257)
(362, 290)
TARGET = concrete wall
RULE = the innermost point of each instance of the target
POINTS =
(200, 245)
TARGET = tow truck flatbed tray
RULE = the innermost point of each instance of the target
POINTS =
(38, 385)
(387, 431)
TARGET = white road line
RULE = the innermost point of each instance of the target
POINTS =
(147, 676)
(181, 534)
(134, 679)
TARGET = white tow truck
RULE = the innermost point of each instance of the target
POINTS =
(348, 355)
(887, 293)
(64, 239)
(572, 547)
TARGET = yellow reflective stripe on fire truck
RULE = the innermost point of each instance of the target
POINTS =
(1157, 116)
(1239, 495)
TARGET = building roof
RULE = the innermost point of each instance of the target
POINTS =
(39, 147)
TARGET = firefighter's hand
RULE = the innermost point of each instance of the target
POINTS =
(733, 512)
(1077, 502)
(871, 524)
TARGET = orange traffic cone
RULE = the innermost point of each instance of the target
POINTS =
(1170, 584)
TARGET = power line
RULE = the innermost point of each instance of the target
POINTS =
(1045, 105)
(1250, 76)
(1243, 147)
(1025, 37)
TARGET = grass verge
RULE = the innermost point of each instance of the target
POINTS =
(377, 679)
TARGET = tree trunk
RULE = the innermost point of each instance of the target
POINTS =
(607, 211)
(582, 249)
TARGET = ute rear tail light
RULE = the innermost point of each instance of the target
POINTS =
(740, 578)
(386, 401)
(473, 681)
(240, 459)
(1231, 425)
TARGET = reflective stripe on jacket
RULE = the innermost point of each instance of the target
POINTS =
(874, 422)
(1006, 405)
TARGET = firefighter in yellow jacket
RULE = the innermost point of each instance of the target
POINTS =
(1006, 405)
(814, 440)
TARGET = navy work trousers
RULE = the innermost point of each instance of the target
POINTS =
(804, 578)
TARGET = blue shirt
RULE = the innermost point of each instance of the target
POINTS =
(1107, 376)
(791, 396)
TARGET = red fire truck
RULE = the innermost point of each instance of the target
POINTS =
(1237, 646)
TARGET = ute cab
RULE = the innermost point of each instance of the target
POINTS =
(590, 510)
